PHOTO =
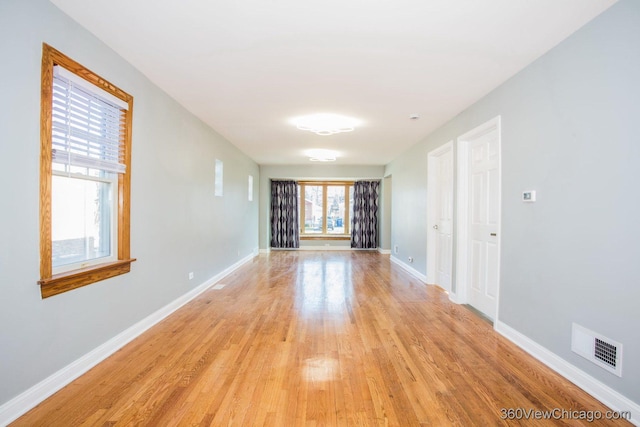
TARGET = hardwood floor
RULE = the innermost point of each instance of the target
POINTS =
(316, 338)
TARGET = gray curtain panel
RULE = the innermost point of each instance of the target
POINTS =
(364, 224)
(284, 215)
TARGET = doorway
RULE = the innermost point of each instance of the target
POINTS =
(440, 216)
(479, 201)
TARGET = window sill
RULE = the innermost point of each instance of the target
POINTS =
(325, 237)
(67, 281)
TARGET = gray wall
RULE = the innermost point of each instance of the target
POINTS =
(569, 132)
(385, 212)
(301, 172)
(177, 225)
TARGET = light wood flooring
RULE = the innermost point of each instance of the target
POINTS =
(316, 339)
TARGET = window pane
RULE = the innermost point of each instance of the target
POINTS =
(335, 209)
(81, 226)
(313, 209)
(218, 178)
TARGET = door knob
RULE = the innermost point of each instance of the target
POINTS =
(435, 227)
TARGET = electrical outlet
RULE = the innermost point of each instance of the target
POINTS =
(529, 196)
(191, 275)
(395, 249)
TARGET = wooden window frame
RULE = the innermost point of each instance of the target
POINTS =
(324, 235)
(53, 284)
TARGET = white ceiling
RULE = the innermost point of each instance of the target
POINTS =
(246, 67)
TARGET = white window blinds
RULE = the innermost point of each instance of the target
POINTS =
(87, 124)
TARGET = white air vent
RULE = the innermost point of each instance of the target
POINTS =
(600, 350)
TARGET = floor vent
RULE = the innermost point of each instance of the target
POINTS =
(218, 286)
(600, 350)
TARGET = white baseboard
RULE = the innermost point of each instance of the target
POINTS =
(27, 400)
(456, 299)
(595, 388)
(324, 248)
(409, 269)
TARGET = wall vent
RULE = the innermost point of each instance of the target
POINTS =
(600, 350)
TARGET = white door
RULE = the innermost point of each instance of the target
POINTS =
(484, 221)
(440, 216)
(478, 219)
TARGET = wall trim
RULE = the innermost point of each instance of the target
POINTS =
(586, 382)
(415, 273)
(324, 248)
(27, 400)
(456, 299)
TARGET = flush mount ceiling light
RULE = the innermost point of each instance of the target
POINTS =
(326, 124)
(321, 155)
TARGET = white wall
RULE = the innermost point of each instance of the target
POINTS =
(177, 225)
(569, 131)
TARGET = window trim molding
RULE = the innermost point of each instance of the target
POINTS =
(325, 237)
(51, 284)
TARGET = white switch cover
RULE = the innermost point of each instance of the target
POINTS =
(529, 196)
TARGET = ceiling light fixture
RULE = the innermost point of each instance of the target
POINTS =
(321, 155)
(326, 124)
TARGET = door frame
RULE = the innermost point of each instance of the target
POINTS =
(432, 183)
(461, 294)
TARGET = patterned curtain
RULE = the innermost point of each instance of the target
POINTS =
(364, 224)
(284, 214)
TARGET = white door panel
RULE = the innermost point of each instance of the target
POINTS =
(476, 260)
(492, 270)
(440, 201)
(493, 197)
(484, 221)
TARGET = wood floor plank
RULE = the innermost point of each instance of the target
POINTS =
(301, 338)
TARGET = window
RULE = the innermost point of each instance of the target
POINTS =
(218, 178)
(325, 209)
(84, 176)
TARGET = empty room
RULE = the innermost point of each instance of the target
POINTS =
(337, 213)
